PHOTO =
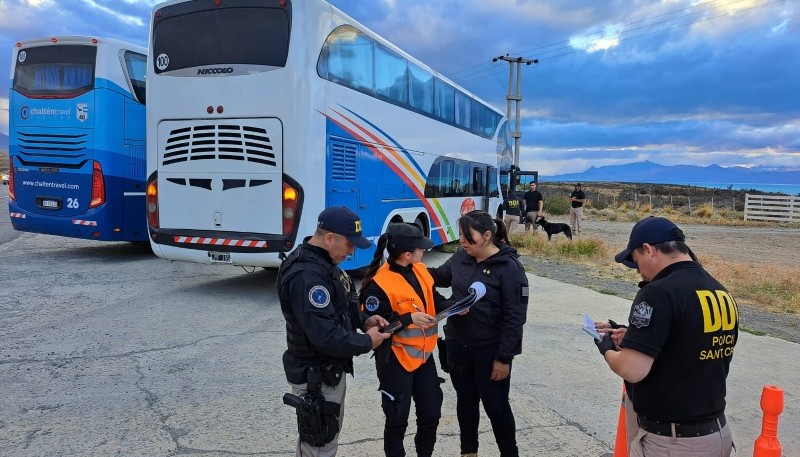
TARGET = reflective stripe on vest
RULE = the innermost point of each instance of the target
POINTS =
(411, 345)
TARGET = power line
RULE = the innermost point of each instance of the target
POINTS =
(642, 20)
(486, 72)
(671, 28)
(456, 72)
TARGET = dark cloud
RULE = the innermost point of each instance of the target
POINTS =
(678, 79)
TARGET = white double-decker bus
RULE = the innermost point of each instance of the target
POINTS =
(261, 113)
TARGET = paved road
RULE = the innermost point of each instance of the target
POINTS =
(107, 350)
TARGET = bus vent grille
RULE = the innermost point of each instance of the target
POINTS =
(219, 142)
(57, 146)
(343, 161)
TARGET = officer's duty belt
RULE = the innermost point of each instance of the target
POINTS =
(683, 430)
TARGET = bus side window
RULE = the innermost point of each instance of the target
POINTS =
(477, 181)
(136, 68)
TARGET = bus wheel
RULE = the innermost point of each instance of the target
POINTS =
(426, 230)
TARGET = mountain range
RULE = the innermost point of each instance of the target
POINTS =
(3, 142)
(709, 176)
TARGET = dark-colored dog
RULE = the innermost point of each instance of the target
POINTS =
(553, 228)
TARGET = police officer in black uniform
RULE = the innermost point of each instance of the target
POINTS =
(677, 350)
(320, 305)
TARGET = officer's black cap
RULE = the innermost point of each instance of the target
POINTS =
(343, 221)
(408, 237)
(651, 230)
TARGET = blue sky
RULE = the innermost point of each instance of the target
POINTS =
(671, 81)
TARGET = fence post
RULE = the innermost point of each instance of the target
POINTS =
(746, 202)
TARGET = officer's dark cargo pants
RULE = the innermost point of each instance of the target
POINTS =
(470, 368)
(423, 386)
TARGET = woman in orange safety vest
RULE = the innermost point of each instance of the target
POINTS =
(401, 290)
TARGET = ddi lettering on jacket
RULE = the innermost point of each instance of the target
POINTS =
(720, 314)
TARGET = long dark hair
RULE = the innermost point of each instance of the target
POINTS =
(482, 222)
(377, 260)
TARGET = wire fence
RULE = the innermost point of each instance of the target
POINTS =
(688, 200)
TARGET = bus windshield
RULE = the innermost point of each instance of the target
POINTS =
(55, 71)
(222, 36)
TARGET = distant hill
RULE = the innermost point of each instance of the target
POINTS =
(712, 175)
(3, 142)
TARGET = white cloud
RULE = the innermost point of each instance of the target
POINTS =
(39, 3)
(600, 40)
(124, 18)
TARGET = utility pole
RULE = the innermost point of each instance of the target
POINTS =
(516, 97)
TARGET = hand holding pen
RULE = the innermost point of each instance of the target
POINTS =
(422, 319)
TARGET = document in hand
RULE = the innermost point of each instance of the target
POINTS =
(588, 327)
(476, 291)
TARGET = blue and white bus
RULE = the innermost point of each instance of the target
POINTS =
(261, 113)
(77, 138)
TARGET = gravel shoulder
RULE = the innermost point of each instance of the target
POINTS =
(757, 245)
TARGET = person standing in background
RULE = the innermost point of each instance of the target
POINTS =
(577, 198)
(513, 211)
(534, 203)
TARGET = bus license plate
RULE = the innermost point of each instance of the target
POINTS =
(220, 257)
(50, 204)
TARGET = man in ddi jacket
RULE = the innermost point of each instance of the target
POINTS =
(678, 347)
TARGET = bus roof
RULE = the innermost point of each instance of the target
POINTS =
(78, 39)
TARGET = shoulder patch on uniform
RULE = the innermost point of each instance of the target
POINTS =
(371, 303)
(641, 315)
(319, 296)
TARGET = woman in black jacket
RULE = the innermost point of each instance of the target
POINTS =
(482, 342)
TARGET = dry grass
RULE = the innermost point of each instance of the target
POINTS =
(702, 215)
(583, 250)
(774, 288)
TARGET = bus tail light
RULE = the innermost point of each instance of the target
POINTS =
(98, 186)
(290, 198)
(152, 203)
(11, 194)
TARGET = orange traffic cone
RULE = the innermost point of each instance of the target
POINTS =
(767, 444)
(621, 442)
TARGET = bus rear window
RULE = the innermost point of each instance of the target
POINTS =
(55, 71)
(243, 36)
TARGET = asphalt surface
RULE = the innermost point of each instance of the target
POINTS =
(106, 350)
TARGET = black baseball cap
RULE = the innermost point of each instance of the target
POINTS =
(408, 237)
(343, 221)
(651, 230)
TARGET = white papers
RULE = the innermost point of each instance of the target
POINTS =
(476, 291)
(588, 327)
